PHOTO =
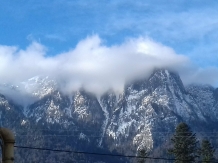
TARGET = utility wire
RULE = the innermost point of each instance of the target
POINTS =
(90, 153)
(101, 154)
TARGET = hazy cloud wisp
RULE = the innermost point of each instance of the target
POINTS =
(93, 65)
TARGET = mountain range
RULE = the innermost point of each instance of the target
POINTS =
(144, 115)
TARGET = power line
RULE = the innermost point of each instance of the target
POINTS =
(102, 154)
(90, 153)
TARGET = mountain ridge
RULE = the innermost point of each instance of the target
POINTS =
(139, 117)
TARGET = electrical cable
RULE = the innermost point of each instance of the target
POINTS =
(101, 154)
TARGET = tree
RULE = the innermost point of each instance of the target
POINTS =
(184, 145)
(207, 151)
(142, 153)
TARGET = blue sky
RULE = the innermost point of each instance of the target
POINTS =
(190, 28)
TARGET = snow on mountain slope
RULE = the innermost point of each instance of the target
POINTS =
(11, 115)
(28, 92)
(53, 108)
(104, 126)
(107, 102)
(39, 86)
(139, 117)
(147, 108)
(204, 96)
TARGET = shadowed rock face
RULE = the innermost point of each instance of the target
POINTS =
(139, 117)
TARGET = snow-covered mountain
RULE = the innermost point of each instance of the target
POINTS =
(144, 115)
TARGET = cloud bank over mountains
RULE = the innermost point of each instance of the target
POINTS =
(97, 67)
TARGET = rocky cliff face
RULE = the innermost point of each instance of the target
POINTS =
(142, 116)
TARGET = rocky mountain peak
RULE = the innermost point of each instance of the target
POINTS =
(165, 79)
(39, 86)
(138, 117)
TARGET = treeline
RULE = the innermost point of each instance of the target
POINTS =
(185, 148)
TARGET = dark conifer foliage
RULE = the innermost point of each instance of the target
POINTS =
(207, 151)
(184, 144)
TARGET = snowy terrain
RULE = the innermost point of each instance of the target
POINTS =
(137, 118)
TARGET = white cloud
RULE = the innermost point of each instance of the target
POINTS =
(198, 75)
(93, 65)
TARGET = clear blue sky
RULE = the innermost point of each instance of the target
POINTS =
(188, 27)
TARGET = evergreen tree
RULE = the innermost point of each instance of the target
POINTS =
(207, 152)
(184, 144)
